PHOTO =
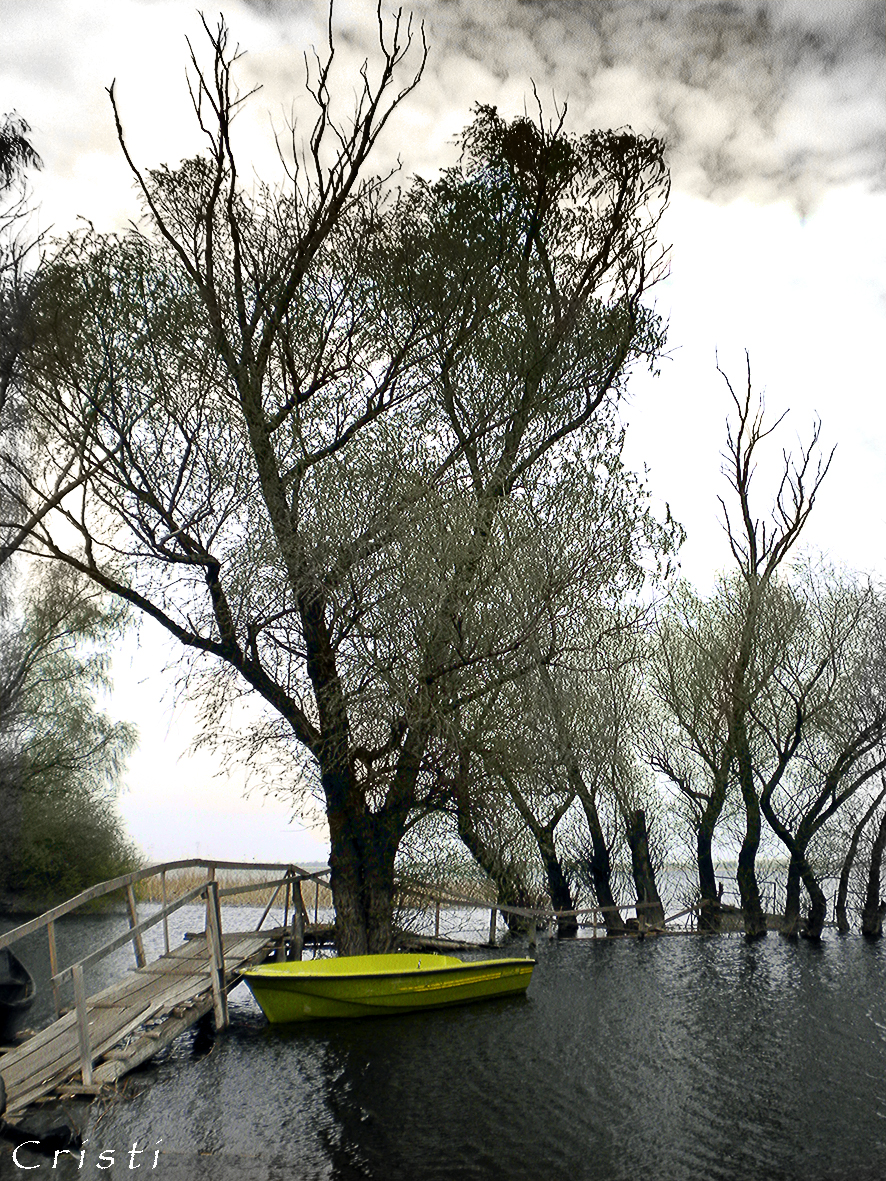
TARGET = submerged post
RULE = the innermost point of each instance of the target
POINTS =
(165, 916)
(53, 967)
(82, 1025)
(297, 942)
(216, 956)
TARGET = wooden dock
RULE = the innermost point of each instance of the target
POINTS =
(110, 1033)
(128, 1022)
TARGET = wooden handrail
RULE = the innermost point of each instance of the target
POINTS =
(101, 889)
(528, 912)
(134, 932)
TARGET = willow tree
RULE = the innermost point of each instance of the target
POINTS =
(61, 756)
(303, 409)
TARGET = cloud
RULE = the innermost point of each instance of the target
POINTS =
(762, 101)
(765, 101)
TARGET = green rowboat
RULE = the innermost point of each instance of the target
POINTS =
(377, 985)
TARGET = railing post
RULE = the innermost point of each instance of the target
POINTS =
(210, 877)
(133, 922)
(286, 898)
(165, 904)
(595, 922)
(493, 914)
(216, 956)
(53, 967)
(316, 900)
(437, 920)
(297, 943)
(82, 1026)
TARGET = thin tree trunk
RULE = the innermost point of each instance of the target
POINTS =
(874, 907)
(818, 907)
(799, 870)
(558, 886)
(849, 861)
(510, 890)
(791, 924)
(649, 906)
(709, 912)
(601, 867)
(543, 835)
(748, 887)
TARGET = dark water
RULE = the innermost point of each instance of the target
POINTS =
(678, 1059)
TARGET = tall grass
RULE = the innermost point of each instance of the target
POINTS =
(179, 881)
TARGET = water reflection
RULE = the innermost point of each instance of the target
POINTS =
(673, 1059)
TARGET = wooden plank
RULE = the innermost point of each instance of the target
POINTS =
(111, 1070)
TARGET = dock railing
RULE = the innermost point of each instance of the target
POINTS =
(594, 917)
(208, 890)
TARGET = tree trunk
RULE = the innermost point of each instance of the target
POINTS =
(799, 870)
(874, 908)
(818, 907)
(649, 907)
(601, 867)
(791, 924)
(709, 911)
(558, 887)
(510, 890)
(362, 852)
(849, 861)
(748, 887)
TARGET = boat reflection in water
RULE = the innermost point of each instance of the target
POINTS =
(376, 985)
(17, 992)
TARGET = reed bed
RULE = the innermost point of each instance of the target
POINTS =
(179, 881)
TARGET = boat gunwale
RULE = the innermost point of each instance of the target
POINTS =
(267, 971)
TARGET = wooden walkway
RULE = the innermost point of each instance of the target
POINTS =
(106, 1035)
(129, 1021)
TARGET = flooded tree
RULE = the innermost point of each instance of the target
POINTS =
(868, 810)
(748, 622)
(305, 408)
(822, 722)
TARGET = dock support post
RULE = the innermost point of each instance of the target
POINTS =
(210, 877)
(297, 942)
(165, 916)
(53, 968)
(82, 1025)
(140, 960)
(216, 956)
(493, 915)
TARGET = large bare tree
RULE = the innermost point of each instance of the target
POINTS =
(310, 417)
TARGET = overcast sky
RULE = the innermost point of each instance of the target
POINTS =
(774, 117)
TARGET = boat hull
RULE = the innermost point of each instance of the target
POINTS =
(376, 986)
